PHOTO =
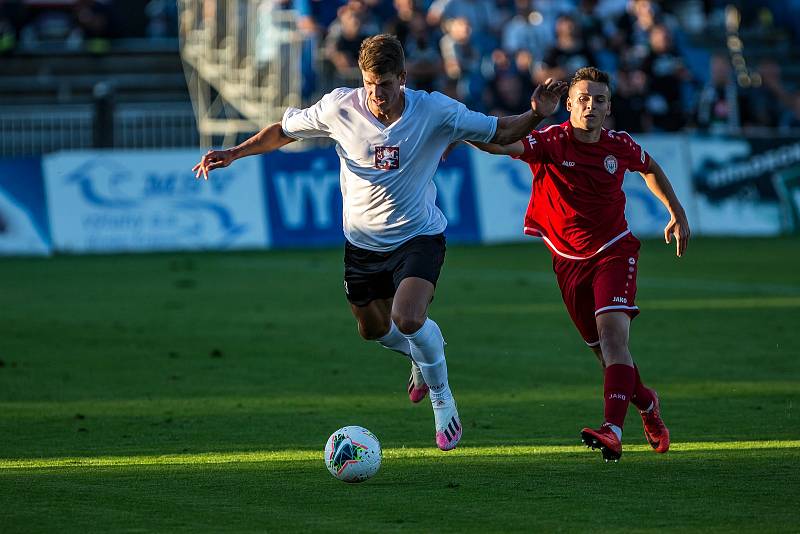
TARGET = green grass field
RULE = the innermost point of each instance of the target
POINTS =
(195, 392)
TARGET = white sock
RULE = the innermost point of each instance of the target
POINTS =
(427, 349)
(396, 341)
(617, 430)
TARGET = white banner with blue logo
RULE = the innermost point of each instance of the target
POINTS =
(144, 201)
(23, 212)
(646, 215)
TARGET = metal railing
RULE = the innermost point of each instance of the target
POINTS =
(155, 126)
(27, 131)
(34, 130)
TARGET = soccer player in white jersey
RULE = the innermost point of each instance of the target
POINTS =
(389, 140)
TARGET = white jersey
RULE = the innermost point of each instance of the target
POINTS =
(387, 172)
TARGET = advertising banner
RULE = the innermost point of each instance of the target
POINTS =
(745, 186)
(144, 201)
(304, 199)
(503, 187)
(787, 186)
(646, 215)
(24, 228)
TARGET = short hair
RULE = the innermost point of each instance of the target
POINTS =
(382, 54)
(592, 74)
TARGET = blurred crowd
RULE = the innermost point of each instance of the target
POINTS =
(82, 24)
(490, 54)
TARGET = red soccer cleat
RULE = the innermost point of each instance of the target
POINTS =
(603, 439)
(656, 433)
(417, 388)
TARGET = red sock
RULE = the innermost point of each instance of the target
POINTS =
(617, 392)
(642, 396)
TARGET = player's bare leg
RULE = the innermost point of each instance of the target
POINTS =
(410, 313)
(375, 323)
(373, 319)
(598, 352)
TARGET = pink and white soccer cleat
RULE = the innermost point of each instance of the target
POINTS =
(448, 425)
(417, 388)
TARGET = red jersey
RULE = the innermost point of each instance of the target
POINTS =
(577, 205)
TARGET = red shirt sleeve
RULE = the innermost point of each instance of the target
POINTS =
(638, 160)
(532, 148)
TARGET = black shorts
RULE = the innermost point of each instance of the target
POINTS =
(370, 275)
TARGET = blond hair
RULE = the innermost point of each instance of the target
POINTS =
(592, 74)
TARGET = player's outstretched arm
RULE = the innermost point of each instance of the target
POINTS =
(514, 149)
(678, 224)
(544, 102)
(267, 140)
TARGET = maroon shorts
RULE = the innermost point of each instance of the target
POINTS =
(604, 283)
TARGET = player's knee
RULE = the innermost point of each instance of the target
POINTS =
(612, 342)
(408, 324)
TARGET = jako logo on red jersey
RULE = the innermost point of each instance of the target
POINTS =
(620, 300)
(531, 140)
(620, 396)
(568, 163)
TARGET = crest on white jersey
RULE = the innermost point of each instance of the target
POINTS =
(387, 157)
(611, 164)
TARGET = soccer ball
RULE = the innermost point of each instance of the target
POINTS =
(353, 454)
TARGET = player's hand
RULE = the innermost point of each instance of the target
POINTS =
(679, 227)
(546, 96)
(214, 159)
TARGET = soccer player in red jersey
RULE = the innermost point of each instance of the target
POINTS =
(577, 207)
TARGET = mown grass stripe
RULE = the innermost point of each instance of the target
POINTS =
(747, 303)
(402, 453)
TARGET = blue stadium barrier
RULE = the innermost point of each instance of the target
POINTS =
(125, 201)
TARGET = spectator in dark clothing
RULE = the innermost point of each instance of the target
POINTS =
(667, 75)
(591, 25)
(462, 61)
(423, 61)
(92, 18)
(569, 54)
(769, 100)
(71, 25)
(342, 49)
(509, 90)
(631, 39)
(525, 31)
(630, 102)
(400, 24)
(720, 102)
